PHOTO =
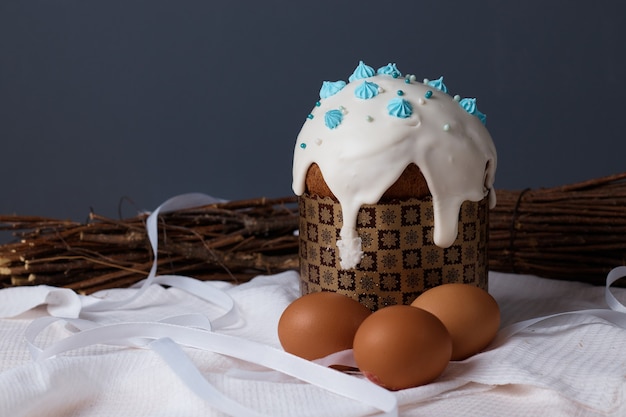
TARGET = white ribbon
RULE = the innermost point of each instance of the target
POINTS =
(614, 275)
(253, 352)
(166, 337)
(187, 371)
(180, 202)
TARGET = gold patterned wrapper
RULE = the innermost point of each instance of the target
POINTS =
(400, 259)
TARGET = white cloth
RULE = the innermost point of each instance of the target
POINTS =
(571, 365)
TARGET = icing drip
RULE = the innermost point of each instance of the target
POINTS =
(469, 104)
(438, 84)
(361, 71)
(333, 118)
(399, 107)
(360, 161)
(330, 88)
(366, 90)
(390, 69)
(350, 250)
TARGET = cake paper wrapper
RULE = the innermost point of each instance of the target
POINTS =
(400, 260)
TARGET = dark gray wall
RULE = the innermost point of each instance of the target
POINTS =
(148, 99)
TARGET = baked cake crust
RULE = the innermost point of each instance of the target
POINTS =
(411, 184)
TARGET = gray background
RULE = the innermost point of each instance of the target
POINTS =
(106, 100)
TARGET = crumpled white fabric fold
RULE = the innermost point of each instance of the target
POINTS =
(59, 302)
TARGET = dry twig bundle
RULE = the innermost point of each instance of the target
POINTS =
(229, 241)
(573, 232)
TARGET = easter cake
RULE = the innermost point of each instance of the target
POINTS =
(395, 178)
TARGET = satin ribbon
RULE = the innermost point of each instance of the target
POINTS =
(180, 202)
(166, 337)
(163, 335)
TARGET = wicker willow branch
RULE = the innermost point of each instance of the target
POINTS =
(573, 232)
(232, 241)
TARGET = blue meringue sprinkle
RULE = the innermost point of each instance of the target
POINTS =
(438, 84)
(390, 69)
(469, 104)
(366, 90)
(362, 71)
(330, 88)
(399, 107)
(333, 118)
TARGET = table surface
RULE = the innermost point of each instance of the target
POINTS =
(569, 365)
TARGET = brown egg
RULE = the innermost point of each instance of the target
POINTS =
(318, 324)
(401, 347)
(470, 314)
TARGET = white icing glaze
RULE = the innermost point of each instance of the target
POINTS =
(363, 156)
